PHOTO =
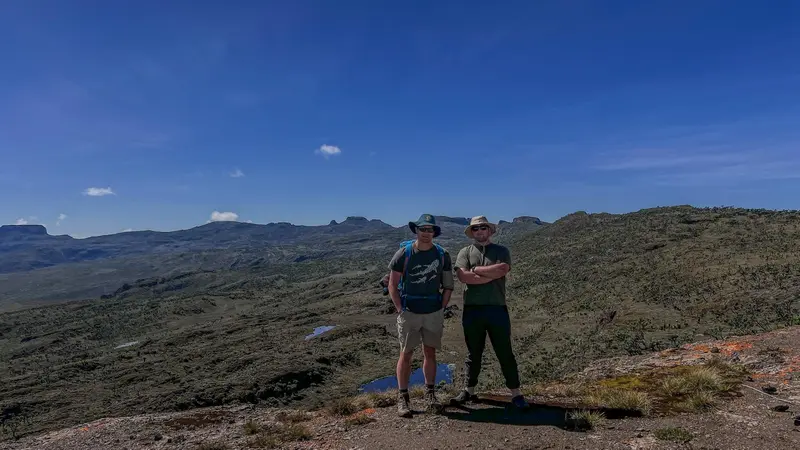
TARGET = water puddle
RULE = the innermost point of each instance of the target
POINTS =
(320, 330)
(127, 344)
(444, 372)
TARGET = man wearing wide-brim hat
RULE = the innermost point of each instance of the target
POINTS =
(482, 266)
(420, 284)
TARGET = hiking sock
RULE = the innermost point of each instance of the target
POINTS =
(429, 388)
(404, 392)
(515, 392)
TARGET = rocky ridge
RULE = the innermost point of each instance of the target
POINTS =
(762, 413)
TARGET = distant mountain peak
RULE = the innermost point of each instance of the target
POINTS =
(523, 219)
(333, 222)
(528, 219)
(25, 230)
(356, 219)
(455, 220)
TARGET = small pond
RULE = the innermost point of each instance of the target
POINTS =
(320, 330)
(444, 372)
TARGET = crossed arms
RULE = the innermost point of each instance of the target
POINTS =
(483, 274)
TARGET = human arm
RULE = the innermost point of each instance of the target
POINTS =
(493, 272)
(470, 277)
(396, 268)
(394, 293)
(500, 268)
(447, 280)
(463, 272)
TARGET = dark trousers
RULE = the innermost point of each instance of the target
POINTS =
(478, 321)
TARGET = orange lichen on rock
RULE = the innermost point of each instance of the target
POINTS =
(725, 348)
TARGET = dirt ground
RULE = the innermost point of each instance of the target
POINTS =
(748, 421)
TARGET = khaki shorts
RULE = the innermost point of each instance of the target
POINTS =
(413, 329)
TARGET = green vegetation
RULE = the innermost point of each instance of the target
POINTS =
(674, 434)
(586, 420)
(293, 416)
(596, 285)
(213, 326)
(663, 390)
(251, 427)
(274, 435)
(342, 407)
(621, 399)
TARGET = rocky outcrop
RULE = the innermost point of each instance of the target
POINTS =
(456, 220)
(22, 230)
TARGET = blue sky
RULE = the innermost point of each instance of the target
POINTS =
(182, 108)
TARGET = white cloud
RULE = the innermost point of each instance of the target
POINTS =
(61, 218)
(249, 221)
(328, 150)
(217, 216)
(98, 192)
(237, 174)
(127, 230)
(21, 221)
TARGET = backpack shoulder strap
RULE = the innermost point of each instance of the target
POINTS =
(441, 256)
(408, 250)
(402, 284)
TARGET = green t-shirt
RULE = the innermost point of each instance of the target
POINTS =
(474, 255)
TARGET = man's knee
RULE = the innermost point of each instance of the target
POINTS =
(430, 352)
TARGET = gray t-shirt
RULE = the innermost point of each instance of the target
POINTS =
(494, 292)
(426, 277)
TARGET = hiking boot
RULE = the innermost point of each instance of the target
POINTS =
(432, 404)
(519, 402)
(403, 406)
(463, 397)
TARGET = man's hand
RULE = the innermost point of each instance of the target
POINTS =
(446, 297)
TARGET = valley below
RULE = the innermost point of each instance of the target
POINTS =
(142, 332)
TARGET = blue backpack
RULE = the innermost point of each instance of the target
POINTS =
(401, 285)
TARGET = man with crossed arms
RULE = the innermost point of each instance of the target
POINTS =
(483, 266)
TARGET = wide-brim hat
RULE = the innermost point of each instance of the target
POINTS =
(479, 220)
(425, 220)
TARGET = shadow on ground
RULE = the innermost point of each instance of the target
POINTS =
(502, 412)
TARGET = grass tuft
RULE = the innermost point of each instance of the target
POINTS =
(251, 428)
(295, 432)
(674, 434)
(293, 416)
(382, 399)
(342, 407)
(698, 388)
(621, 399)
(587, 420)
(264, 441)
(416, 392)
(698, 402)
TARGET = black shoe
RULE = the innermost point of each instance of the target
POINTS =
(519, 402)
(463, 397)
